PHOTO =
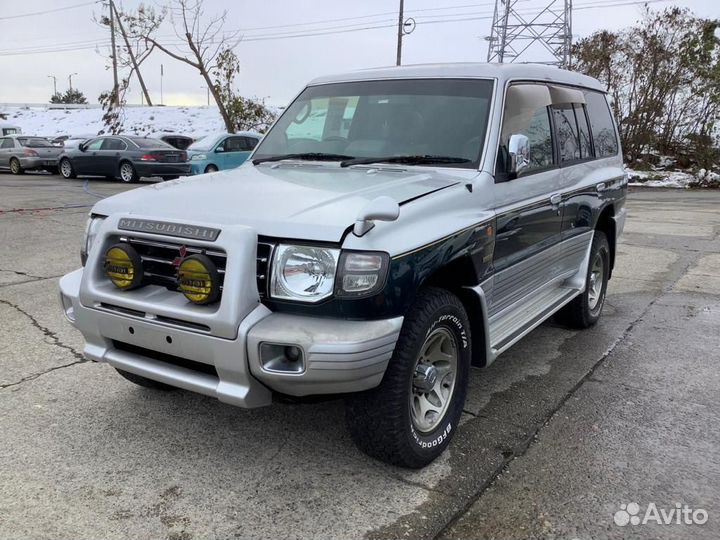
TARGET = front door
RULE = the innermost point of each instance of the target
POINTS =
(86, 162)
(528, 201)
(6, 145)
(236, 152)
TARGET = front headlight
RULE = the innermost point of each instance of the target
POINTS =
(91, 231)
(198, 157)
(303, 273)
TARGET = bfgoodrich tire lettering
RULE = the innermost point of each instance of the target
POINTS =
(381, 420)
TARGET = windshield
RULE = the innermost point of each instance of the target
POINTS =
(34, 142)
(375, 119)
(204, 144)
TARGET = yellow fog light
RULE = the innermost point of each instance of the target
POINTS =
(123, 266)
(198, 279)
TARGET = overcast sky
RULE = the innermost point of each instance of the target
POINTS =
(272, 68)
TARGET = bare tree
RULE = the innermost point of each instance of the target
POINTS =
(200, 42)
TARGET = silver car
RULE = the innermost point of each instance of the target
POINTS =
(21, 153)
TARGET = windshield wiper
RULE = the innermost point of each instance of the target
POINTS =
(310, 156)
(406, 160)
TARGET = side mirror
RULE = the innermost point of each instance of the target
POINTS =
(82, 147)
(219, 150)
(519, 149)
(382, 208)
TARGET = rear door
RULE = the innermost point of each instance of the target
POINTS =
(108, 157)
(528, 205)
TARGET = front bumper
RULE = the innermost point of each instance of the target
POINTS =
(339, 356)
(149, 168)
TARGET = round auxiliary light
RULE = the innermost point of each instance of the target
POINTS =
(123, 266)
(198, 279)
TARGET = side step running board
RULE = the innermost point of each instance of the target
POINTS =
(510, 325)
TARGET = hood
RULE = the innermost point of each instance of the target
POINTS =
(300, 201)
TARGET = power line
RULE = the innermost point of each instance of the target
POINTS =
(341, 29)
(45, 12)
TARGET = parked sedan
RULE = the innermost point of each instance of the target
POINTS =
(21, 153)
(181, 142)
(127, 158)
(221, 151)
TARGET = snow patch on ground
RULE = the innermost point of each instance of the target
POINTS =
(146, 121)
(673, 179)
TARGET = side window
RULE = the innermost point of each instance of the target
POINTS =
(234, 144)
(222, 145)
(95, 145)
(113, 144)
(602, 124)
(249, 143)
(584, 132)
(567, 132)
(526, 119)
(7, 143)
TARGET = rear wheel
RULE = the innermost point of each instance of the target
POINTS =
(411, 417)
(66, 169)
(144, 381)
(128, 173)
(15, 166)
(211, 168)
(584, 311)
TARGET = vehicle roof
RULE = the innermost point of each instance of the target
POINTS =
(467, 70)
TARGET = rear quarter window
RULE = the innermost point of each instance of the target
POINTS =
(601, 124)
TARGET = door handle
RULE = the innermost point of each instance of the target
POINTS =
(555, 199)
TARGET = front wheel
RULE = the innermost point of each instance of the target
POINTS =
(584, 311)
(211, 168)
(66, 169)
(411, 417)
(128, 173)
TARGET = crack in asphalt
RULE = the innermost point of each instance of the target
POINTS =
(523, 446)
(19, 273)
(55, 340)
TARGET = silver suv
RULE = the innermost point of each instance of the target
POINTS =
(394, 228)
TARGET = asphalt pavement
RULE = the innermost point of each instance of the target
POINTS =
(558, 434)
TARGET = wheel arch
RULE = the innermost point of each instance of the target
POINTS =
(459, 277)
(606, 224)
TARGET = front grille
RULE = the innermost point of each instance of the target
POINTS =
(264, 258)
(161, 259)
(166, 358)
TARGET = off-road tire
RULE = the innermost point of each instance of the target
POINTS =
(145, 382)
(15, 166)
(380, 420)
(578, 313)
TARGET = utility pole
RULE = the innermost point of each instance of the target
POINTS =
(136, 67)
(70, 79)
(54, 78)
(116, 87)
(208, 94)
(162, 72)
(513, 33)
(398, 61)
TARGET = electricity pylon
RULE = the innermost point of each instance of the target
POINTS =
(516, 32)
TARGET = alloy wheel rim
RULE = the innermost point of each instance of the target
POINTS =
(65, 168)
(126, 172)
(433, 380)
(14, 167)
(595, 285)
